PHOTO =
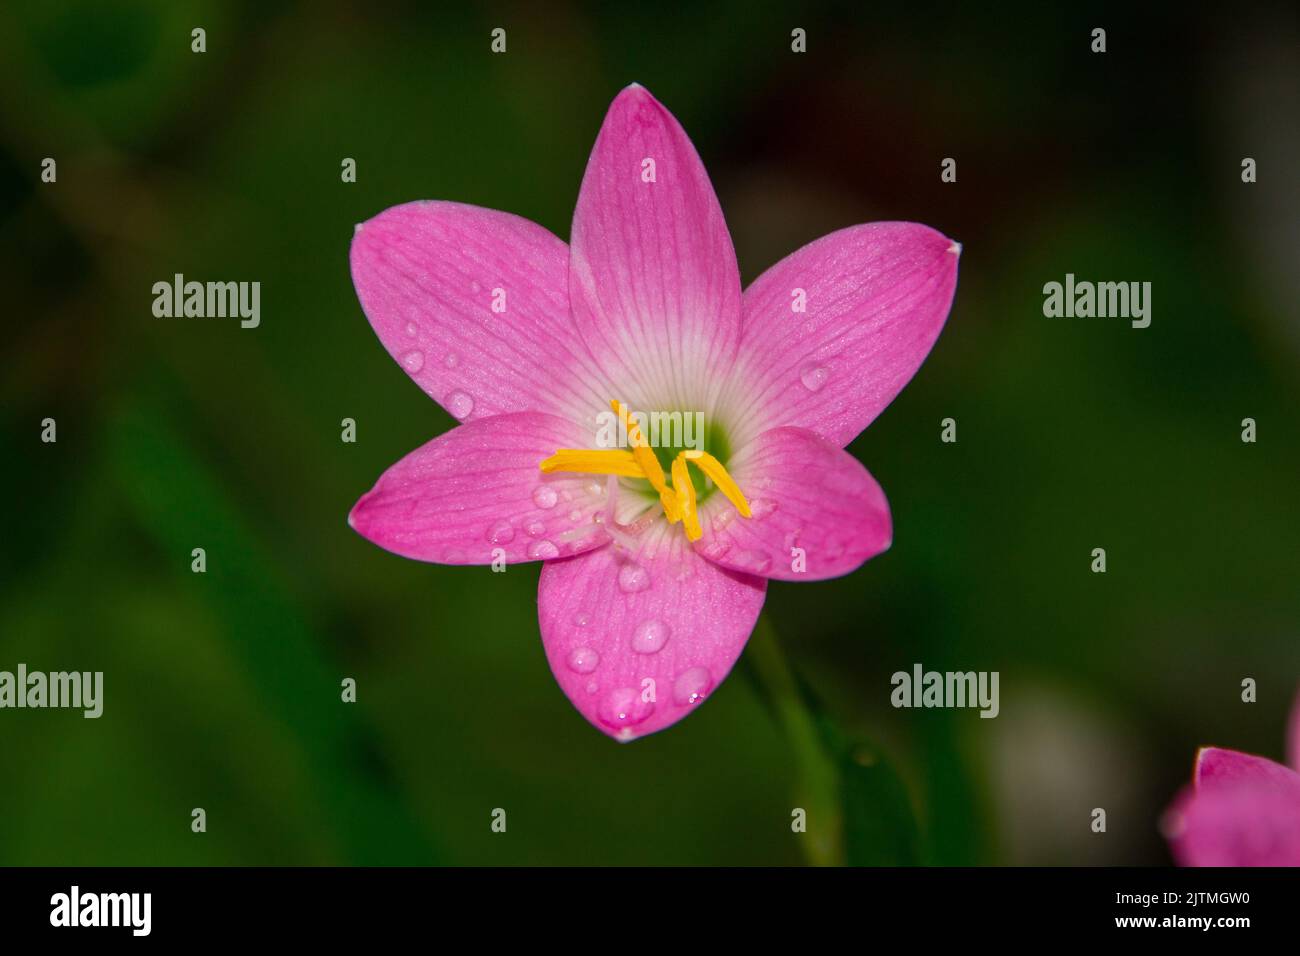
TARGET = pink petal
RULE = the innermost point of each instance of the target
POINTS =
(475, 494)
(637, 638)
(1238, 825)
(654, 284)
(809, 500)
(427, 274)
(877, 297)
(1217, 768)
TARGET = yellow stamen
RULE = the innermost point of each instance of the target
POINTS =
(679, 501)
(715, 470)
(645, 457)
(612, 461)
(686, 498)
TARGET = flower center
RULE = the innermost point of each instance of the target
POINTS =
(640, 461)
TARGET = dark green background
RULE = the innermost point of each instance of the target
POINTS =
(222, 690)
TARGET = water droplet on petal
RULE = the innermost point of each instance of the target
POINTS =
(624, 707)
(692, 686)
(649, 637)
(411, 329)
(575, 515)
(723, 518)
(760, 508)
(583, 660)
(814, 376)
(451, 361)
(715, 547)
(501, 533)
(460, 405)
(535, 529)
(592, 687)
(755, 562)
(413, 361)
(543, 550)
(581, 619)
(633, 578)
(544, 497)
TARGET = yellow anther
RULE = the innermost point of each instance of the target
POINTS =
(686, 498)
(611, 461)
(645, 457)
(715, 470)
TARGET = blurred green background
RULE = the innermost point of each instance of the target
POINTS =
(222, 689)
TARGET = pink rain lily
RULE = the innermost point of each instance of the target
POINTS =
(649, 586)
(1240, 810)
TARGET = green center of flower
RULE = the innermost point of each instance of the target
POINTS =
(700, 435)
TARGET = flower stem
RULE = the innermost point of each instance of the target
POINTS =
(818, 781)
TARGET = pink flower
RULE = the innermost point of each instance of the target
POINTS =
(1240, 810)
(648, 590)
